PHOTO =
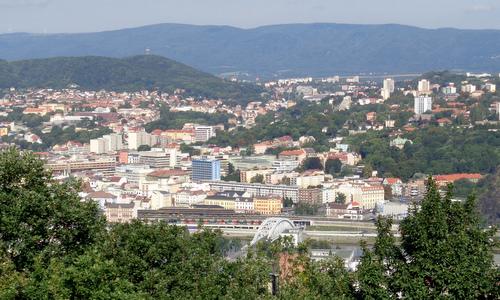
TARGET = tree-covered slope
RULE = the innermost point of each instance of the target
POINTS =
(130, 74)
(286, 50)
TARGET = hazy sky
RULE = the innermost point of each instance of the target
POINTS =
(97, 15)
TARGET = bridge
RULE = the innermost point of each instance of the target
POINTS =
(271, 229)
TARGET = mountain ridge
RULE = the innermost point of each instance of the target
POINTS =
(316, 49)
(120, 74)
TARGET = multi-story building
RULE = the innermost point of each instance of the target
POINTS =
(268, 205)
(423, 104)
(98, 146)
(424, 86)
(206, 169)
(247, 175)
(106, 144)
(389, 85)
(449, 90)
(244, 206)
(311, 195)
(119, 212)
(154, 159)
(139, 138)
(256, 190)
(114, 142)
(161, 199)
(104, 165)
(133, 173)
(490, 87)
(221, 200)
(350, 211)
(468, 88)
(188, 198)
(285, 165)
(310, 178)
(366, 194)
(203, 133)
(388, 88)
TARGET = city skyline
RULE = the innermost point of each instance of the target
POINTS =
(57, 16)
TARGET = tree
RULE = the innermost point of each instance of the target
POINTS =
(40, 217)
(144, 148)
(312, 163)
(189, 149)
(287, 202)
(340, 198)
(306, 209)
(232, 174)
(333, 166)
(367, 171)
(286, 180)
(259, 178)
(444, 252)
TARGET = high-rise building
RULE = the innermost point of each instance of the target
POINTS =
(449, 90)
(389, 85)
(490, 87)
(424, 86)
(205, 169)
(114, 142)
(468, 88)
(174, 156)
(98, 146)
(203, 133)
(422, 104)
(106, 144)
(388, 88)
(139, 138)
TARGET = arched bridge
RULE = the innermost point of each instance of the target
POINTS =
(271, 229)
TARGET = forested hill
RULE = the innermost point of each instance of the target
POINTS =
(282, 50)
(127, 74)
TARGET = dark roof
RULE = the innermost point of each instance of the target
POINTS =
(120, 205)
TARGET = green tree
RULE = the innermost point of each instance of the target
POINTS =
(232, 174)
(40, 216)
(445, 252)
(259, 178)
(311, 163)
(333, 166)
(287, 202)
(144, 148)
(340, 198)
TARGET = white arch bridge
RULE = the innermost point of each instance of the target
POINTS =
(271, 229)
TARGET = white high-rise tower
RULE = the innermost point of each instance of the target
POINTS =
(422, 104)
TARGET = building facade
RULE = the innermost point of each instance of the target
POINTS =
(206, 169)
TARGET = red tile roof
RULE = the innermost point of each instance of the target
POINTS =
(392, 180)
(459, 176)
(292, 153)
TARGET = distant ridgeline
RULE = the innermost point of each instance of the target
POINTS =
(127, 74)
(279, 50)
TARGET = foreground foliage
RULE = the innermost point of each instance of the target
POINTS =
(52, 246)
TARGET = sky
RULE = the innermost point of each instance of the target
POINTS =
(51, 16)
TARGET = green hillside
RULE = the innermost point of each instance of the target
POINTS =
(127, 74)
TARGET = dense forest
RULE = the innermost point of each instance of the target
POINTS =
(54, 246)
(176, 120)
(127, 74)
(431, 150)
